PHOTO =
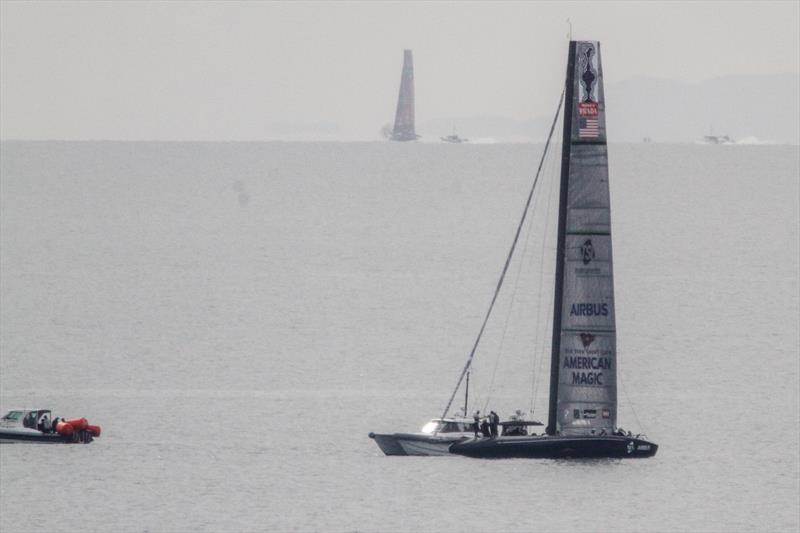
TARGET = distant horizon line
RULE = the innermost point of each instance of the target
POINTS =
(484, 142)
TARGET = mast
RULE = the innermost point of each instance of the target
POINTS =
(583, 387)
(466, 395)
(404, 116)
(562, 222)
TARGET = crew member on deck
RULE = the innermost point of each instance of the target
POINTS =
(477, 418)
(485, 427)
(494, 421)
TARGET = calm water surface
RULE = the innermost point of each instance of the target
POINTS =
(237, 317)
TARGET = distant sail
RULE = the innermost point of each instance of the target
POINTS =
(583, 385)
(404, 118)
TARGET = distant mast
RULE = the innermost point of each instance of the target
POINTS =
(583, 384)
(404, 118)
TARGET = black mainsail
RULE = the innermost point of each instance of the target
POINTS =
(583, 385)
(404, 117)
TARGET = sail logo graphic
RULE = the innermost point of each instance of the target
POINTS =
(587, 251)
(588, 121)
(588, 309)
(586, 339)
(587, 67)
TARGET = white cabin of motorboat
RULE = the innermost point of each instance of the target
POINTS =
(27, 418)
(444, 426)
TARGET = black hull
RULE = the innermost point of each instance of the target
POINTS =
(556, 447)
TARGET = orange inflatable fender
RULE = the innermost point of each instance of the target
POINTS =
(64, 428)
(78, 423)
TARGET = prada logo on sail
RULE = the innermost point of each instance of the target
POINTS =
(588, 309)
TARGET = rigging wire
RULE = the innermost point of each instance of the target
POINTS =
(546, 169)
(508, 259)
(630, 404)
(526, 241)
(541, 357)
(539, 348)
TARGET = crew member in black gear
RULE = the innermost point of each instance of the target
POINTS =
(494, 420)
(485, 428)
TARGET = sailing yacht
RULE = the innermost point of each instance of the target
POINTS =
(582, 410)
(403, 129)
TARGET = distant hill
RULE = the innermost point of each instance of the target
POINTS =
(746, 107)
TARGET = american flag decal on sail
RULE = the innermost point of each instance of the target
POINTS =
(588, 128)
(588, 123)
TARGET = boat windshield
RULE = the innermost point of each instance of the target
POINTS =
(13, 415)
(437, 426)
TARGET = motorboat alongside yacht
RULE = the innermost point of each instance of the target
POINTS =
(435, 438)
(38, 425)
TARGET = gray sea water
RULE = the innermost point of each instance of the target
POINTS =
(238, 317)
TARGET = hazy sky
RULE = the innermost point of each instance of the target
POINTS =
(242, 71)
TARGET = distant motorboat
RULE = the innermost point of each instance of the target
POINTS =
(455, 139)
(718, 139)
(37, 425)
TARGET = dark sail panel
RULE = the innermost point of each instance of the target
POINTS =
(584, 336)
(588, 190)
(404, 117)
